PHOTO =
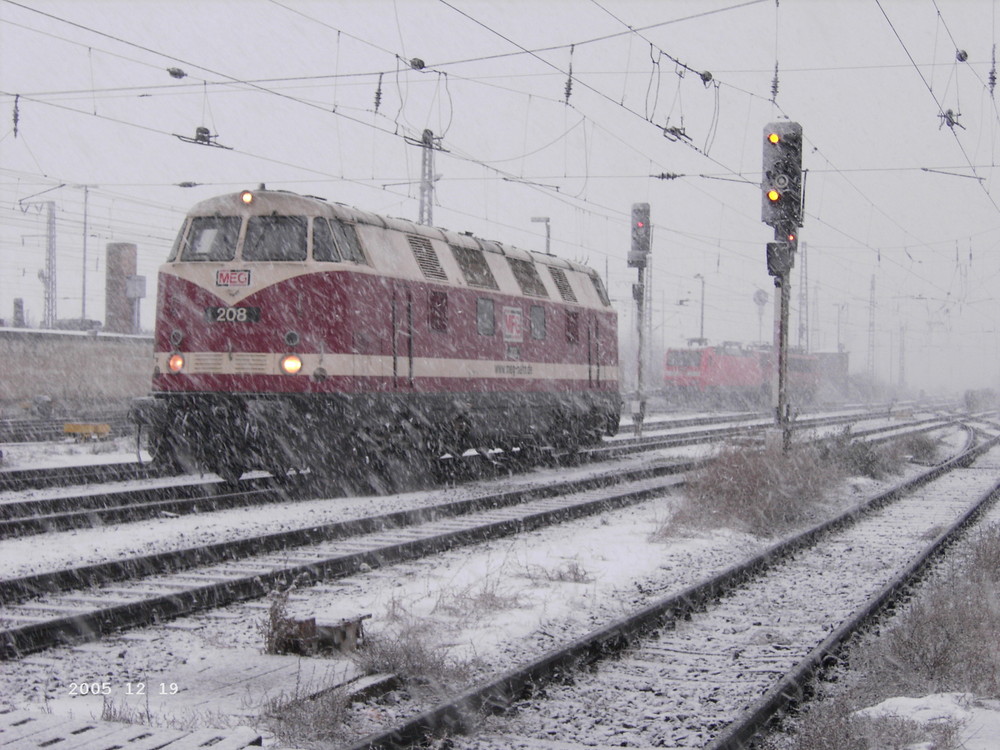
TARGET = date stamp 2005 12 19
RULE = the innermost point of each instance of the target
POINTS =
(129, 688)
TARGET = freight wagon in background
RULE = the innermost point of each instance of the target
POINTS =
(70, 373)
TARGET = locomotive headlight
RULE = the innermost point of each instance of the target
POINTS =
(247, 197)
(176, 362)
(291, 363)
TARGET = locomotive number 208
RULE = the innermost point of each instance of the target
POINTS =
(232, 314)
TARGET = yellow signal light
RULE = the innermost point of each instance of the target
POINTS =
(773, 195)
(774, 138)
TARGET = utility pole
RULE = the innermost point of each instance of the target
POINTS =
(427, 179)
(804, 298)
(701, 318)
(871, 335)
(83, 274)
(50, 265)
(48, 274)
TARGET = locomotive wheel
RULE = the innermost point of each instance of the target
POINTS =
(230, 468)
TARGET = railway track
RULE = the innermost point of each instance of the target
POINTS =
(45, 514)
(735, 424)
(45, 609)
(690, 669)
(41, 515)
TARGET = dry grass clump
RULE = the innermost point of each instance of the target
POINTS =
(570, 571)
(762, 491)
(477, 600)
(413, 657)
(937, 644)
(313, 722)
(835, 725)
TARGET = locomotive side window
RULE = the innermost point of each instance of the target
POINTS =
(601, 291)
(527, 277)
(281, 238)
(537, 322)
(346, 237)
(211, 238)
(572, 328)
(439, 311)
(474, 267)
(683, 358)
(177, 244)
(324, 248)
(485, 321)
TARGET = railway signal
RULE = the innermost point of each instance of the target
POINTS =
(640, 236)
(781, 184)
(781, 208)
(638, 256)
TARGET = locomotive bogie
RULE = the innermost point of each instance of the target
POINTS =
(351, 330)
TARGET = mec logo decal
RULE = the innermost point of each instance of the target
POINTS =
(232, 278)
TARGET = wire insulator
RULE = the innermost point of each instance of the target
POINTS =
(569, 78)
(993, 71)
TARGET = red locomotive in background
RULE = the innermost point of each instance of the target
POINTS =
(733, 375)
(295, 333)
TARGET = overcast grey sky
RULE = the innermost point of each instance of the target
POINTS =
(560, 108)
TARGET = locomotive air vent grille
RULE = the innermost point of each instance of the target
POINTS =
(474, 267)
(427, 259)
(562, 284)
(250, 362)
(527, 277)
(207, 361)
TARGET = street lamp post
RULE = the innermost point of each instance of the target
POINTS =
(548, 231)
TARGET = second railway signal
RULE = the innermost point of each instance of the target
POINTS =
(781, 182)
(640, 236)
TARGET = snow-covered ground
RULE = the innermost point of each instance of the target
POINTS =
(484, 607)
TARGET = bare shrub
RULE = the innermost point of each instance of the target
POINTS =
(920, 447)
(861, 458)
(983, 562)
(277, 629)
(761, 491)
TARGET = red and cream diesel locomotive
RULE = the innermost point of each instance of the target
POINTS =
(296, 333)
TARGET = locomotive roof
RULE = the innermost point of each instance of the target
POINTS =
(287, 202)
